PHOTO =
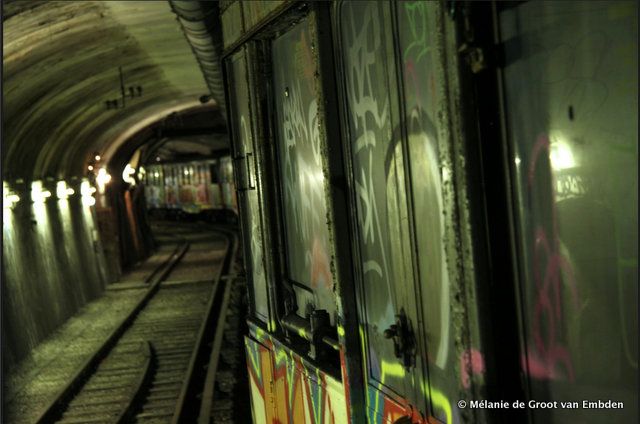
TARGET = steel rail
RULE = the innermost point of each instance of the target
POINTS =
(139, 391)
(59, 404)
(194, 388)
(208, 390)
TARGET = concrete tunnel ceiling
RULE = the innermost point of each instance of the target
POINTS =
(60, 66)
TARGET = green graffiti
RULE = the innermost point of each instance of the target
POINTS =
(417, 18)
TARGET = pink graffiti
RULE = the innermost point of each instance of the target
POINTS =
(411, 72)
(549, 266)
(471, 363)
(320, 269)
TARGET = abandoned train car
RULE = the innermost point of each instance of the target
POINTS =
(202, 187)
(438, 203)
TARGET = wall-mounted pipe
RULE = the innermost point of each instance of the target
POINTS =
(200, 21)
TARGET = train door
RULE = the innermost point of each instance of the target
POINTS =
(394, 103)
(570, 104)
(246, 178)
(380, 154)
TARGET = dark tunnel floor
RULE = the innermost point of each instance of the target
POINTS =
(38, 378)
(52, 363)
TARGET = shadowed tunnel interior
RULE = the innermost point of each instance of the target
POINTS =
(90, 87)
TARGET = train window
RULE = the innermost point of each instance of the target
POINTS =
(299, 147)
(571, 92)
(249, 200)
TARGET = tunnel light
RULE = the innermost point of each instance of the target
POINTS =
(90, 167)
(8, 198)
(88, 201)
(87, 191)
(38, 194)
(11, 200)
(102, 179)
(97, 157)
(62, 191)
(127, 174)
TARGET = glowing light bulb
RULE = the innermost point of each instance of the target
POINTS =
(102, 179)
(38, 194)
(8, 198)
(127, 174)
(62, 191)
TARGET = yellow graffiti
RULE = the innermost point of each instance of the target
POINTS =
(391, 370)
(438, 399)
(280, 356)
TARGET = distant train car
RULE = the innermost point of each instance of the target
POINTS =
(199, 187)
(439, 209)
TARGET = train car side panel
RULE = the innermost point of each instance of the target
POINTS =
(302, 393)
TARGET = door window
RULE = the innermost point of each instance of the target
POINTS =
(300, 156)
(246, 171)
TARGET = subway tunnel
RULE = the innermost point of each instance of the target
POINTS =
(313, 212)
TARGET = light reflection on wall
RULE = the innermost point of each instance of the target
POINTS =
(63, 192)
(38, 196)
(49, 266)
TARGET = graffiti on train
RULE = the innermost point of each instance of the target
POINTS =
(286, 389)
(369, 109)
(548, 357)
(301, 167)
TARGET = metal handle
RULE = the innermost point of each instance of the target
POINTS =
(403, 340)
(250, 184)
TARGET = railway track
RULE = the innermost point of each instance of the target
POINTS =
(149, 370)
